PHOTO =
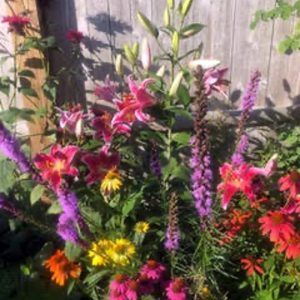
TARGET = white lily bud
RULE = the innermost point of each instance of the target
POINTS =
(146, 55)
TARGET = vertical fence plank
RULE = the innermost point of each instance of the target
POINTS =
(284, 80)
(251, 49)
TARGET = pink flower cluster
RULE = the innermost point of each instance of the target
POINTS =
(151, 279)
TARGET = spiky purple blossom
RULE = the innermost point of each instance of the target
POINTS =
(10, 148)
(155, 165)
(172, 239)
(237, 158)
(251, 92)
(69, 203)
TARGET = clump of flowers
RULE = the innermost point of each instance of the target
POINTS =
(117, 252)
(16, 23)
(61, 268)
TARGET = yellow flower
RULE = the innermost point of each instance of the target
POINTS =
(121, 252)
(141, 227)
(111, 182)
(98, 252)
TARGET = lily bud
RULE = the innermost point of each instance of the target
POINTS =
(203, 63)
(161, 71)
(135, 49)
(175, 42)
(119, 65)
(184, 7)
(166, 17)
(170, 3)
(129, 55)
(146, 55)
(175, 84)
(147, 24)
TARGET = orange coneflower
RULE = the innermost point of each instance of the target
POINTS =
(62, 268)
(252, 265)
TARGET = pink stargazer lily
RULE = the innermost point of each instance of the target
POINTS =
(106, 91)
(72, 120)
(132, 106)
(99, 165)
(56, 164)
(214, 81)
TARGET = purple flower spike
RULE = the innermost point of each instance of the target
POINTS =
(237, 158)
(172, 239)
(155, 166)
(10, 148)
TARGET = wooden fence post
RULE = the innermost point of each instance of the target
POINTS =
(32, 60)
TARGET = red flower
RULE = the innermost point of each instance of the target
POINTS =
(291, 183)
(16, 23)
(236, 180)
(278, 225)
(56, 164)
(99, 165)
(252, 265)
(291, 247)
(74, 36)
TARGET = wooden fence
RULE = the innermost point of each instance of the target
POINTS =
(108, 24)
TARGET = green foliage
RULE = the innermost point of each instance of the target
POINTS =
(283, 10)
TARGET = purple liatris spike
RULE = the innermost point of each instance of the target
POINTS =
(200, 161)
(69, 203)
(251, 92)
(10, 148)
(66, 229)
(155, 166)
(172, 233)
(238, 156)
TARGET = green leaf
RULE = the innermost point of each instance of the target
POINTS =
(129, 205)
(14, 114)
(181, 138)
(36, 193)
(191, 30)
(72, 251)
(93, 278)
(28, 92)
(5, 83)
(54, 209)
(7, 178)
(26, 73)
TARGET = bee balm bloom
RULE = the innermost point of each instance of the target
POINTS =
(16, 23)
(74, 36)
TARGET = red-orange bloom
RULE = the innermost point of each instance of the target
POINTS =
(62, 268)
(252, 265)
(278, 225)
(291, 183)
(291, 247)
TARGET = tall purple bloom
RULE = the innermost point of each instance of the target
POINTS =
(238, 156)
(172, 233)
(247, 104)
(200, 162)
(70, 218)
(155, 166)
(10, 147)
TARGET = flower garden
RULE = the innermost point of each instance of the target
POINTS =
(126, 203)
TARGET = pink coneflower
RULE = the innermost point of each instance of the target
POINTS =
(252, 265)
(278, 225)
(153, 270)
(176, 290)
(74, 36)
(16, 23)
(119, 284)
(146, 286)
(132, 289)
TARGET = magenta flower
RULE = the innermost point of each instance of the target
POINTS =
(16, 23)
(102, 123)
(107, 91)
(99, 165)
(132, 290)
(74, 36)
(153, 270)
(132, 106)
(214, 81)
(72, 120)
(176, 290)
(56, 164)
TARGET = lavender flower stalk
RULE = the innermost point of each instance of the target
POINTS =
(200, 161)
(172, 234)
(10, 147)
(70, 218)
(155, 166)
(247, 105)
